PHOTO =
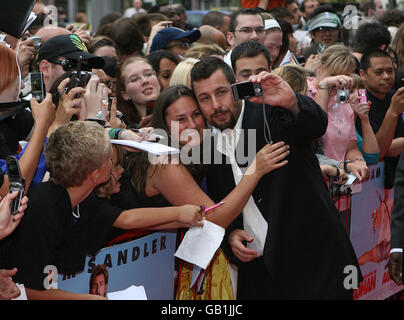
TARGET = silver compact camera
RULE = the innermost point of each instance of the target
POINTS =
(343, 95)
(37, 42)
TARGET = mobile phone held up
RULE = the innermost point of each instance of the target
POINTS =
(37, 86)
(16, 182)
(246, 89)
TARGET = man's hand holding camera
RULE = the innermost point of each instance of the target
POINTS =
(276, 92)
(9, 222)
(69, 104)
(96, 99)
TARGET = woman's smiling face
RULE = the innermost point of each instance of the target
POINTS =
(141, 84)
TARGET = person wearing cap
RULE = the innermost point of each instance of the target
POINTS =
(60, 54)
(174, 40)
(324, 26)
(245, 24)
(273, 38)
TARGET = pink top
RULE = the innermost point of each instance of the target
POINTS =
(341, 126)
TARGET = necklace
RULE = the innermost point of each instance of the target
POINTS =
(76, 215)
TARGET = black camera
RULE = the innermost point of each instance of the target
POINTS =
(16, 182)
(246, 89)
(79, 78)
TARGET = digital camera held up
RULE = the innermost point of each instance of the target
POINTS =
(343, 95)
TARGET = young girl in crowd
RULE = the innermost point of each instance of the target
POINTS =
(138, 88)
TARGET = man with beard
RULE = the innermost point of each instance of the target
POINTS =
(296, 247)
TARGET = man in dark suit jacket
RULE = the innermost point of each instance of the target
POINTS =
(395, 263)
(306, 247)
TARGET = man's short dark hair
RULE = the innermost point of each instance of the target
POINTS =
(143, 21)
(365, 60)
(366, 5)
(371, 36)
(243, 11)
(249, 49)
(281, 13)
(214, 18)
(204, 68)
(156, 8)
(288, 2)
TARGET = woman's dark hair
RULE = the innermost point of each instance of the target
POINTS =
(99, 42)
(287, 29)
(127, 37)
(139, 163)
(156, 56)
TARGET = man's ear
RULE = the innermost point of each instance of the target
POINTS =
(230, 39)
(93, 177)
(45, 68)
(362, 73)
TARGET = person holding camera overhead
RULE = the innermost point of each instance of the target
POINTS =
(303, 226)
(331, 89)
(17, 122)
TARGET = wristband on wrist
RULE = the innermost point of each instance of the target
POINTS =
(115, 133)
(359, 159)
(346, 167)
(322, 86)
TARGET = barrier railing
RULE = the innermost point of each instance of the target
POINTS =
(149, 260)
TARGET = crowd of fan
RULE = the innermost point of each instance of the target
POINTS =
(136, 73)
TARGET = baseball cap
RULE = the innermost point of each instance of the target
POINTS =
(164, 36)
(324, 19)
(69, 46)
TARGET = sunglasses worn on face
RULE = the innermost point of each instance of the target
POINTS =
(69, 65)
(182, 44)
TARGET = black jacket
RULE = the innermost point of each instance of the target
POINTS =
(307, 247)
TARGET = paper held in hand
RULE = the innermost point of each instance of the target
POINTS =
(200, 244)
(151, 147)
(131, 293)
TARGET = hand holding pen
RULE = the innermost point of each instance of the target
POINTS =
(206, 210)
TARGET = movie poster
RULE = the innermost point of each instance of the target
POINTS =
(370, 235)
(147, 262)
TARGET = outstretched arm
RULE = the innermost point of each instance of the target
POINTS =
(177, 185)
